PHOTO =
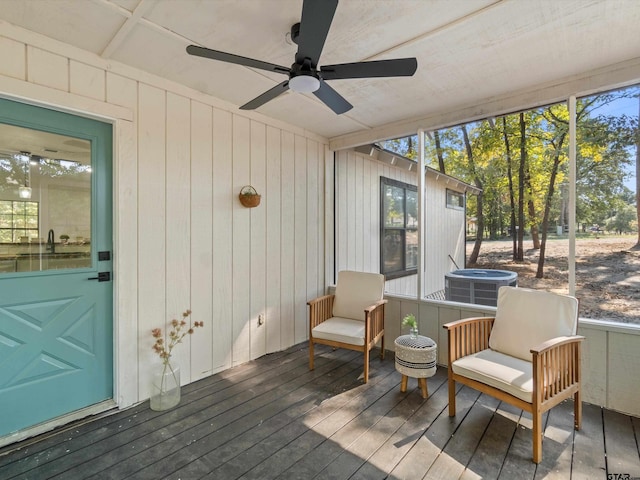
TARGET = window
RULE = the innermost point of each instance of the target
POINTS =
(18, 219)
(455, 200)
(399, 228)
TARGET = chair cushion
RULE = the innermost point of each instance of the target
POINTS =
(338, 329)
(525, 318)
(506, 373)
(356, 291)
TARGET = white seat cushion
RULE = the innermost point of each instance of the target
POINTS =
(506, 373)
(356, 291)
(525, 318)
(339, 329)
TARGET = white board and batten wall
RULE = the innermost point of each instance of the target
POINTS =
(357, 235)
(181, 237)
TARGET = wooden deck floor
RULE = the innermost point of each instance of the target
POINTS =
(272, 418)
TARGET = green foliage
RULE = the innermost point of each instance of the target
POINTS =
(606, 149)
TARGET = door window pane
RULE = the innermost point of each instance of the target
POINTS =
(45, 201)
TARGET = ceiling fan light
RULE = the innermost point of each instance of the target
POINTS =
(304, 84)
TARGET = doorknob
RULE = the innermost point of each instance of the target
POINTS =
(102, 277)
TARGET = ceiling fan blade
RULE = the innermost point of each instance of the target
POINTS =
(332, 99)
(317, 16)
(266, 96)
(237, 59)
(399, 67)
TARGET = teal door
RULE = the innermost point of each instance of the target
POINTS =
(56, 291)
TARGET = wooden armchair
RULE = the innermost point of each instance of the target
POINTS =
(528, 356)
(352, 318)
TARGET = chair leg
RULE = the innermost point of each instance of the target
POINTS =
(366, 364)
(311, 354)
(403, 383)
(452, 396)
(537, 437)
(577, 410)
(422, 382)
(382, 348)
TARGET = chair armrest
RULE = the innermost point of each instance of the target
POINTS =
(320, 309)
(468, 336)
(371, 308)
(556, 366)
(374, 320)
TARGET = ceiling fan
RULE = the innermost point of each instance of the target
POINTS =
(304, 74)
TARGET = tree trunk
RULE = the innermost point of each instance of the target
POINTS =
(523, 159)
(547, 206)
(512, 200)
(480, 224)
(535, 237)
(436, 137)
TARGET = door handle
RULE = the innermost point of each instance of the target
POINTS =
(102, 277)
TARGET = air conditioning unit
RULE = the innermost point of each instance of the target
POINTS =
(477, 286)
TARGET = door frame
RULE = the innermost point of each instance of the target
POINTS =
(125, 305)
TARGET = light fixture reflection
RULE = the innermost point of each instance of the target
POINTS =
(24, 192)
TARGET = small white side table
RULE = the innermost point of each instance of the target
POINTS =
(416, 358)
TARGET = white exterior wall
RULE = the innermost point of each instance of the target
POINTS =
(357, 227)
(444, 236)
(358, 222)
(181, 237)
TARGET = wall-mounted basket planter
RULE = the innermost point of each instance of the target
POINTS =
(249, 197)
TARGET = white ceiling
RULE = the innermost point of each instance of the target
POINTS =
(468, 51)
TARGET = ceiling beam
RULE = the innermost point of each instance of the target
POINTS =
(120, 36)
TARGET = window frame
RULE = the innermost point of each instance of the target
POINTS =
(389, 182)
(462, 196)
(13, 229)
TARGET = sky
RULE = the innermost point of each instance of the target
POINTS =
(629, 107)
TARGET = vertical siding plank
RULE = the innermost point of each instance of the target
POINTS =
(14, 60)
(329, 218)
(178, 219)
(320, 196)
(222, 245)
(125, 92)
(367, 222)
(241, 243)
(623, 350)
(48, 69)
(359, 206)
(258, 240)
(300, 239)
(287, 247)
(273, 314)
(351, 205)
(341, 212)
(151, 226)
(313, 220)
(86, 80)
(202, 238)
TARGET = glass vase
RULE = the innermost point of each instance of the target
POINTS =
(165, 388)
(413, 333)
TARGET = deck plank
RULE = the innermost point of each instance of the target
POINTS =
(620, 443)
(387, 457)
(588, 449)
(273, 418)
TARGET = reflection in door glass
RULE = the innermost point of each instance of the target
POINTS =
(45, 201)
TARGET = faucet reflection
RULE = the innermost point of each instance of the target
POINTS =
(51, 244)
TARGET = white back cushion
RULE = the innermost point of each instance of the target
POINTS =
(526, 318)
(356, 291)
